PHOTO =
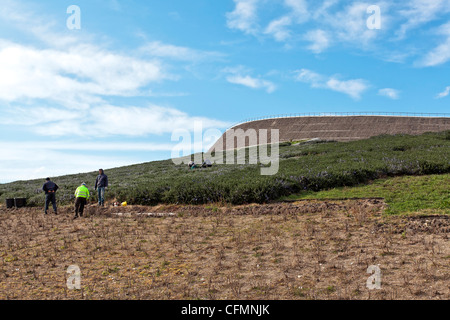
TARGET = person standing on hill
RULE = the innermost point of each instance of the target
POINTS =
(101, 183)
(81, 197)
(50, 189)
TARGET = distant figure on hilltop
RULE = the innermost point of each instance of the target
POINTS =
(101, 183)
(50, 189)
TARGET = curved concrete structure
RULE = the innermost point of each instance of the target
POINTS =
(338, 128)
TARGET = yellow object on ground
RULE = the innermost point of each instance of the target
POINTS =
(124, 204)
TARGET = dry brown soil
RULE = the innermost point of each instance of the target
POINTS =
(300, 250)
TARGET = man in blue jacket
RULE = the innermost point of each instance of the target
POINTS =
(101, 183)
(50, 189)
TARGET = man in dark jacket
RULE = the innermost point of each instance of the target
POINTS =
(50, 189)
(101, 183)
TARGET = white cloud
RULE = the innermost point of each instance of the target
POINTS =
(353, 88)
(277, 28)
(336, 22)
(136, 121)
(439, 54)
(106, 120)
(253, 83)
(40, 26)
(280, 28)
(350, 24)
(164, 50)
(299, 9)
(320, 40)
(244, 16)
(305, 75)
(420, 12)
(443, 94)
(347, 24)
(80, 73)
(239, 75)
(321, 11)
(390, 93)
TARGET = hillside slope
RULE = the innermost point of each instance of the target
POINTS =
(303, 167)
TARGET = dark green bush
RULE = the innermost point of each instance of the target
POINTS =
(447, 135)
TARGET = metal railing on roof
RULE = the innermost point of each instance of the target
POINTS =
(345, 114)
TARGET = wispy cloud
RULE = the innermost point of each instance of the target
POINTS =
(420, 12)
(107, 121)
(299, 9)
(239, 75)
(390, 93)
(353, 88)
(253, 83)
(278, 28)
(244, 16)
(349, 25)
(67, 71)
(304, 75)
(44, 28)
(320, 40)
(164, 50)
(333, 23)
(345, 24)
(439, 54)
(84, 71)
(444, 93)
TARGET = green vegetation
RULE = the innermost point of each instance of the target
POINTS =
(304, 168)
(402, 194)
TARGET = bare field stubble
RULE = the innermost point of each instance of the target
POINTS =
(301, 250)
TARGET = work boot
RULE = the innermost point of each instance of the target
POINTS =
(76, 217)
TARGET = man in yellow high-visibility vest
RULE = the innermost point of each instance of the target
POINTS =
(81, 197)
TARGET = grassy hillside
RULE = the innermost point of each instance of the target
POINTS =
(402, 194)
(303, 168)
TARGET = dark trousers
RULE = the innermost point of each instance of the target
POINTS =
(50, 198)
(79, 206)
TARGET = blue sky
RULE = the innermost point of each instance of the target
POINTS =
(111, 93)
